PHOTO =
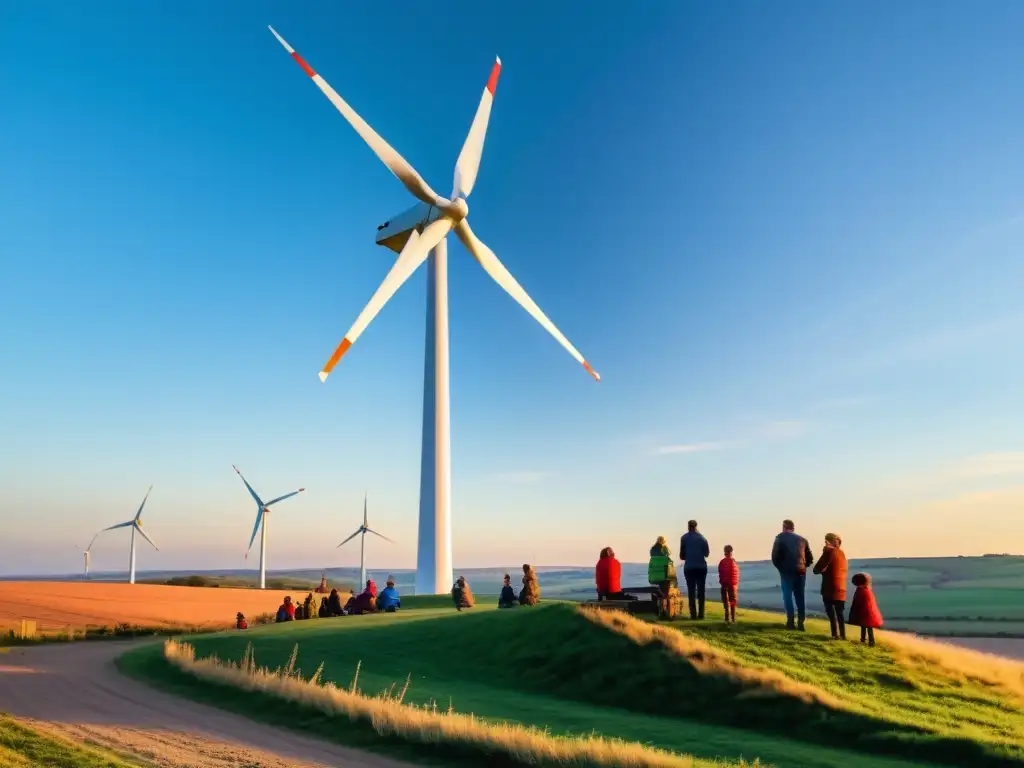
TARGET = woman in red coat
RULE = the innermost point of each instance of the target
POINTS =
(833, 569)
(608, 575)
(864, 612)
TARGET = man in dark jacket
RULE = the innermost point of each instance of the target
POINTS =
(694, 551)
(791, 555)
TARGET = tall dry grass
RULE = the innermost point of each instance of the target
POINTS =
(390, 716)
(709, 660)
(960, 663)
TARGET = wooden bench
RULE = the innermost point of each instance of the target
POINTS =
(666, 606)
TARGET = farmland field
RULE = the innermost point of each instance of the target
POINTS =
(54, 605)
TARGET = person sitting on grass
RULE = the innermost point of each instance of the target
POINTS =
(530, 593)
(240, 622)
(325, 610)
(608, 576)
(661, 571)
(366, 602)
(508, 598)
(307, 607)
(389, 600)
(334, 606)
(350, 604)
(286, 611)
(729, 579)
(864, 612)
(462, 595)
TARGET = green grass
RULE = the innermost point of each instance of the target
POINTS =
(22, 747)
(547, 667)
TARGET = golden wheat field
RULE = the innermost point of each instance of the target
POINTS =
(56, 604)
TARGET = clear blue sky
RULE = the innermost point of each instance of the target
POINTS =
(789, 238)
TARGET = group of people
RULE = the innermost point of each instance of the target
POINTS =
(791, 556)
(367, 601)
(462, 595)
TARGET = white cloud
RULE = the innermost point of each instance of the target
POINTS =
(782, 429)
(665, 450)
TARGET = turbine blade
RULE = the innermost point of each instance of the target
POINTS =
(255, 529)
(397, 164)
(468, 164)
(286, 496)
(413, 254)
(119, 525)
(346, 541)
(369, 530)
(146, 537)
(251, 491)
(89, 548)
(364, 509)
(485, 256)
(139, 513)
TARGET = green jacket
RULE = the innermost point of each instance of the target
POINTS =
(660, 568)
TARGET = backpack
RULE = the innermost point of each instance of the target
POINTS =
(282, 614)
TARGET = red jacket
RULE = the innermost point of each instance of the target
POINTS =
(833, 569)
(864, 611)
(728, 572)
(608, 576)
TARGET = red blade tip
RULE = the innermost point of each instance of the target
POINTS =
(492, 81)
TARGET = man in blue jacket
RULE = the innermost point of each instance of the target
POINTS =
(694, 551)
(388, 600)
(791, 556)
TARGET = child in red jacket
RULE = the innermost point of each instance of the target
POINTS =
(864, 612)
(729, 578)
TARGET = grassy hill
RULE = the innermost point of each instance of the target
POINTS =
(709, 690)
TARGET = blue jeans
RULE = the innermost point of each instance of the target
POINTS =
(793, 587)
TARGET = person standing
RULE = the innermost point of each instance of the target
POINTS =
(729, 579)
(694, 551)
(791, 554)
(832, 567)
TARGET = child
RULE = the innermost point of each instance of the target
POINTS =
(864, 612)
(729, 578)
(240, 622)
(508, 597)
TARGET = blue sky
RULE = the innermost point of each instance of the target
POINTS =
(789, 239)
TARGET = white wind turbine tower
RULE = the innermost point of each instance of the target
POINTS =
(362, 531)
(136, 525)
(262, 512)
(415, 235)
(86, 553)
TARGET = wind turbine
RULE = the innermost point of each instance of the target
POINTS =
(86, 553)
(262, 510)
(362, 531)
(415, 235)
(136, 525)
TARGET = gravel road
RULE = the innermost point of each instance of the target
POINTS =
(73, 690)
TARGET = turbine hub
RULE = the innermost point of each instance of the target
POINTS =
(458, 209)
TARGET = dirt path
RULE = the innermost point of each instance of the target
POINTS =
(75, 691)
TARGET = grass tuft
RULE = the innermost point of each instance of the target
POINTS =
(389, 716)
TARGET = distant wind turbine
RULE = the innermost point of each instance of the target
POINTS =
(262, 510)
(136, 525)
(362, 531)
(86, 552)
